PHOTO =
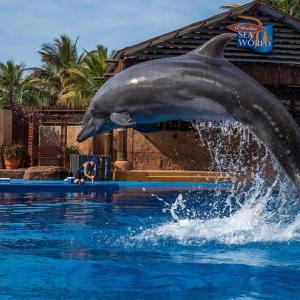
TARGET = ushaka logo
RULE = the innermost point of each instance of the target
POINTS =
(246, 27)
(252, 34)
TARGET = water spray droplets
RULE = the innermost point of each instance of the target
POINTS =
(252, 212)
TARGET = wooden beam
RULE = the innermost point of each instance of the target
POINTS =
(112, 61)
(106, 75)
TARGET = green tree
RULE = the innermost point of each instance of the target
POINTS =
(10, 82)
(65, 77)
(294, 8)
(230, 6)
(291, 7)
(57, 58)
(282, 5)
(81, 85)
(14, 89)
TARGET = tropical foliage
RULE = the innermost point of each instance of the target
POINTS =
(73, 149)
(230, 6)
(12, 151)
(294, 8)
(14, 89)
(81, 84)
(64, 78)
(56, 58)
(291, 7)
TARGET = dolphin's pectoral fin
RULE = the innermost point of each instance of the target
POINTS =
(214, 48)
(122, 119)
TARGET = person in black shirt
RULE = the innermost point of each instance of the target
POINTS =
(86, 171)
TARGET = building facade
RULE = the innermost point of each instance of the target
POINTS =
(267, 48)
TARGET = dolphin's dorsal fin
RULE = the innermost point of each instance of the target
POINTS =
(214, 48)
(122, 119)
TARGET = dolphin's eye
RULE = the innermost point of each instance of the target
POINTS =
(92, 111)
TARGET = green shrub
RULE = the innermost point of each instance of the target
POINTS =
(72, 150)
(12, 151)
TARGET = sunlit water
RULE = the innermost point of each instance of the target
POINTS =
(127, 245)
(242, 243)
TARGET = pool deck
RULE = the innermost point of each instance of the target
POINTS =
(174, 176)
(19, 185)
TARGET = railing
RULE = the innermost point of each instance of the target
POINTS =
(50, 153)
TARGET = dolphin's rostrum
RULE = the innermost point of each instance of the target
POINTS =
(200, 85)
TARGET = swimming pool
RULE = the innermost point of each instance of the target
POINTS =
(146, 241)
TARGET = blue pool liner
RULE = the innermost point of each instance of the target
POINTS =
(20, 185)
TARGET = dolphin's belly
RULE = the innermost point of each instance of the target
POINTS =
(198, 109)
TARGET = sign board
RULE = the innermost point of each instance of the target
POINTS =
(252, 34)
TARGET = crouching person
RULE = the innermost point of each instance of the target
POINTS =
(86, 171)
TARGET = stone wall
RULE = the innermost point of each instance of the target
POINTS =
(166, 150)
(180, 150)
(163, 150)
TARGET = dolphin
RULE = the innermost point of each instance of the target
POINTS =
(199, 85)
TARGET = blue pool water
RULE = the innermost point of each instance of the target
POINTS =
(148, 243)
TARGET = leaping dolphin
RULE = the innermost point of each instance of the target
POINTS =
(199, 85)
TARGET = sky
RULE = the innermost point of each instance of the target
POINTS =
(27, 24)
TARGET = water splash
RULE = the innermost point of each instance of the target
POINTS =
(252, 210)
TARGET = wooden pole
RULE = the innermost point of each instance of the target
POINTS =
(31, 140)
(108, 143)
(121, 163)
(63, 141)
(122, 144)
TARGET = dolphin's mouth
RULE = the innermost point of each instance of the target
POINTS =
(87, 130)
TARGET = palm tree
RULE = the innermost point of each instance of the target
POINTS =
(291, 7)
(10, 82)
(65, 77)
(13, 87)
(57, 58)
(30, 97)
(282, 5)
(294, 8)
(81, 85)
(230, 6)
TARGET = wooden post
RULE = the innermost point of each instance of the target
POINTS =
(31, 140)
(63, 141)
(121, 66)
(122, 144)
(108, 143)
(122, 163)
